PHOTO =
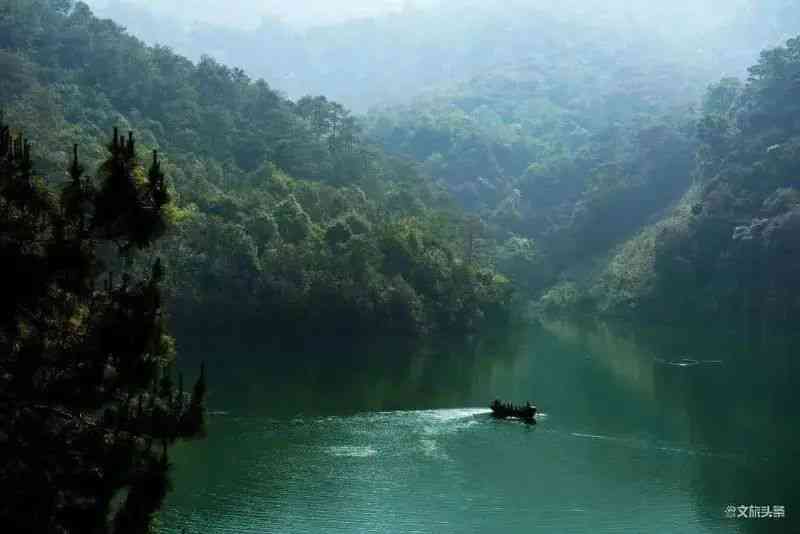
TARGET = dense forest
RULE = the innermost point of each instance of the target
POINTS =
(608, 189)
(655, 208)
(562, 175)
(640, 178)
(590, 148)
(282, 205)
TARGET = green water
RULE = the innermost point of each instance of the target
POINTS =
(390, 438)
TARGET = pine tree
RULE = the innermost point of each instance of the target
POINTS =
(85, 374)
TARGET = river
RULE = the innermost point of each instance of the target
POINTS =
(640, 432)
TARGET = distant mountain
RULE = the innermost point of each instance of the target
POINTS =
(394, 57)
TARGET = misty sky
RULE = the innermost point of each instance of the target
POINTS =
(660, 16)
(248, 13)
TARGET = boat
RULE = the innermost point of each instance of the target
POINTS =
(503, 410)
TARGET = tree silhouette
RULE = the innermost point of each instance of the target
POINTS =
(86, 387)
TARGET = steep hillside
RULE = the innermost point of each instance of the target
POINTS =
(626, 201)
(285, 215)
(730, 250)
(571, 160)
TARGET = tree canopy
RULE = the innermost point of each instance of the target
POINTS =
(87, 393)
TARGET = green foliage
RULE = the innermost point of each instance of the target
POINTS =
(577, 177)
(280, 208)
(728, 250)
(521, 259)
(85, 373)
(293, 222)
(564, 296)
(729, 255)
(355, 274)
(338, 234)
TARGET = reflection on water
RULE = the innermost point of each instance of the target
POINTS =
(387, 437)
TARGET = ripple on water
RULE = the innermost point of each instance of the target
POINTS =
(431, 449)
(350, 451)
(667, 448)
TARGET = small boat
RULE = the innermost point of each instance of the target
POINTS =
(502, 410)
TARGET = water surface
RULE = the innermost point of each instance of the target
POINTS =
(641, 432)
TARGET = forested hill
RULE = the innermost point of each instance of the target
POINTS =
(563, 160)
(730, 249)
(606, 189)
(601, 177)
(285, 215)
(650, 212)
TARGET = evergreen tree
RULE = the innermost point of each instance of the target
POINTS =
(85, 374)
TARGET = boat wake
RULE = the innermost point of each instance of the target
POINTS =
(687, 362)
(454, 414)
(350, 451)
(644, 444)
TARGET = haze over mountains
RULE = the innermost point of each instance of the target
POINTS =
(246, 14)
(368, 53)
